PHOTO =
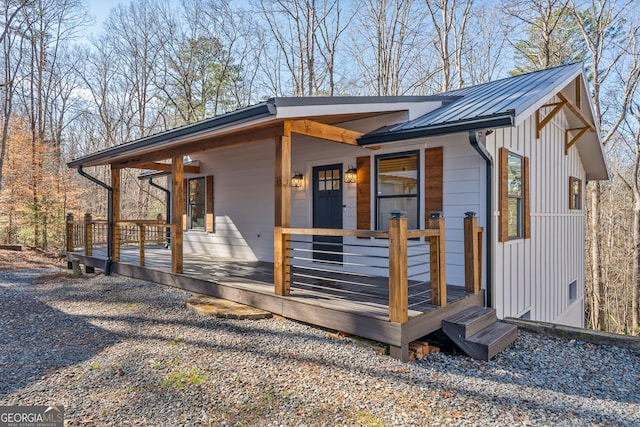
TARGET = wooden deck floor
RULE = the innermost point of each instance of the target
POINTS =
(342, 307)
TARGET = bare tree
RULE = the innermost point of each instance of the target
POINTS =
(133, 34)
(12, 42)
(608, 37)
(450, 19)
(551, 36)
(483, 57)
(385, 44)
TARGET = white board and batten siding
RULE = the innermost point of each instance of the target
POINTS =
(463, 190)
(532, 276)
(243, 202)
(244, 196)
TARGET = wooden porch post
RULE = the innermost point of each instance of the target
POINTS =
(438, 261)
(281, 263)
(398, 279)
(472, 278)
(70, 247)
(177, 209)
(115, 187)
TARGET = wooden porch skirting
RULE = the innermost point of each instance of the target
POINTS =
(251, 283)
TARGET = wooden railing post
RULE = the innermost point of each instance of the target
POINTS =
(116, 241)
(158, 233)
(398, 269)
(282, 262)
(438, 261)
(88, 234)
(70, 245)
(141, 237)
(472, 245)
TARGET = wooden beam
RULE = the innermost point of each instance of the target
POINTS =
(577, 112)
(324, 131)
(282, 211)
(569, 143)
(115, 212)
(204, 143)
(177, 209)
(540, 124)
(164, 167)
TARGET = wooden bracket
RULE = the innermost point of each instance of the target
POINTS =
(540, 124)
(569, 143)
(577, 112)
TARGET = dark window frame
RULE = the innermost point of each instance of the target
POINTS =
(378, 197)
(573, 291)
(575, 199)
(519, 199)
(203, 203)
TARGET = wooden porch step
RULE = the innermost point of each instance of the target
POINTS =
(477, 332)
(471, 321)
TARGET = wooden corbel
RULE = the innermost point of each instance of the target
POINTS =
(568, 143)
(540, 124)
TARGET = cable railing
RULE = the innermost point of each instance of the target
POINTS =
(395, 266)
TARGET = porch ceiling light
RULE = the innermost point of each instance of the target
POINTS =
(297, 180)
(351, 175)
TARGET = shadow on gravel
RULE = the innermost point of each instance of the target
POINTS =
(55, 339)
(36, 340)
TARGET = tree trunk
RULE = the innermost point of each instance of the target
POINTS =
(636, 263)
(597, 297)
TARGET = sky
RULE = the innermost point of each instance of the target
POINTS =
(99, 9)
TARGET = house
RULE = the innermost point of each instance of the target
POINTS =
(484, 185)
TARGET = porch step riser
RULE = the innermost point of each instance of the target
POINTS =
(478, 333)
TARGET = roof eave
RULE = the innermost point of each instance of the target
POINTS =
(495, 121)
(255, 112)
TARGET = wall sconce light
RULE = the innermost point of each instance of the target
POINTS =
(351, 175)
(297, 180)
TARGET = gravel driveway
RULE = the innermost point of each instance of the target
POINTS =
(117, 351)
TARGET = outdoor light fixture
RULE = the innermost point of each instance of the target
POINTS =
(351, 175)
(297, 180)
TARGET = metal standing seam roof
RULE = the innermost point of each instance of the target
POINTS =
(492, 104)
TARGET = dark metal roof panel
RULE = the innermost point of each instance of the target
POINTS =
(511, 94)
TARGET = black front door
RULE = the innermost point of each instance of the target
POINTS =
(327, 211)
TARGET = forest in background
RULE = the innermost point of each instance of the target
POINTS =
(158, 64)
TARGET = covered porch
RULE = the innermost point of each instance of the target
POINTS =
(387, 285)
(394, 308)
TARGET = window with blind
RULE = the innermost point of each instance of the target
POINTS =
(397, 188)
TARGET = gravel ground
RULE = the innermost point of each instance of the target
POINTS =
(116, 351)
